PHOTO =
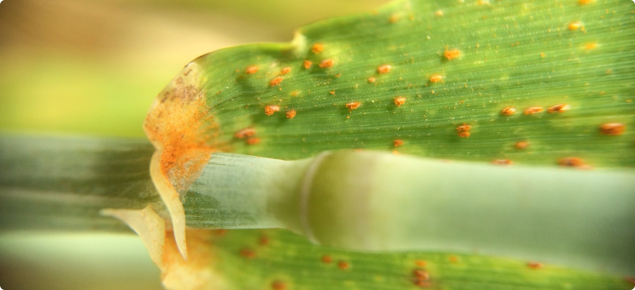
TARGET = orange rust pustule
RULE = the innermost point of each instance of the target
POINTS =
(252, 69)
(502, 162)
(533, 110)
(285, 70)
(352, 106)
(248, 253)
(181, 127)
(452, 54)
(326, 259)
(317, 48)
(559, 108)
(571, 162)
(247, 132)
(508, 111)
(397, 143)
(534, 265)
(521, 144)
(271, 109)
(276, 81)
(326, 63)
(176, 272)
(614, 129)
(264, 240)
(384, 68)
(278, 285)
(421, 278)
(436, 78)
(343, 265)
(253, 140)
(399, 101)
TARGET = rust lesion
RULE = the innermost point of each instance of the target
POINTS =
(199, 273)
(184, 133)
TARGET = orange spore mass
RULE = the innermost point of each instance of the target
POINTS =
(326, 63)
(317, 48)
(399, 101)
(452, 54)
(384, 68)
(614, 129)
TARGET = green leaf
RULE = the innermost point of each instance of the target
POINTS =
(512, 54)
(252, 259)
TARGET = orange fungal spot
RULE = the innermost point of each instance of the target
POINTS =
(575, 25)
(247, 132)
(332, 92)
(420, 263)
(438, 13)
(326, 259)
(247, 253)
(371, 79)
(384, 68)
(307, 64)
(571, 162)
(291, 114)
(534, 265)
(521, 144)
(326, 63)
(285, 70)
(317, 48)
(253, 141)
(463, 128)
(453, 259)
(271, 109)
(276, 81)
(397, 143)
(352, 106)
(278, 285)
(502, 162)
(508, 111)
(559, 108)
(591, 46)
(464, 134)
(252, 69)
(614, 129)
(264, 240)
(533, 110)
(452, 54)
(584, 2)
(436, 78)
(184, 134)
(399, 101)
(343, 265)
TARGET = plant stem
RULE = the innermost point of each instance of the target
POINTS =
(53, 183)
(366, 201)
(374, 201)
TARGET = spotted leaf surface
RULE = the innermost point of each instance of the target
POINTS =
(556, 76)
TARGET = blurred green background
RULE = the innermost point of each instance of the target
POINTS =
(87, 67)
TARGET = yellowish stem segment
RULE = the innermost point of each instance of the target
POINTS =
(170, 197)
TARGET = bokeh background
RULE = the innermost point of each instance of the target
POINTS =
(92, 68)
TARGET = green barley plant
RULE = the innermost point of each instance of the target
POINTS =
(428, 144)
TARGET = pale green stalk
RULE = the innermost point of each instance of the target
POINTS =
(375, 201)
